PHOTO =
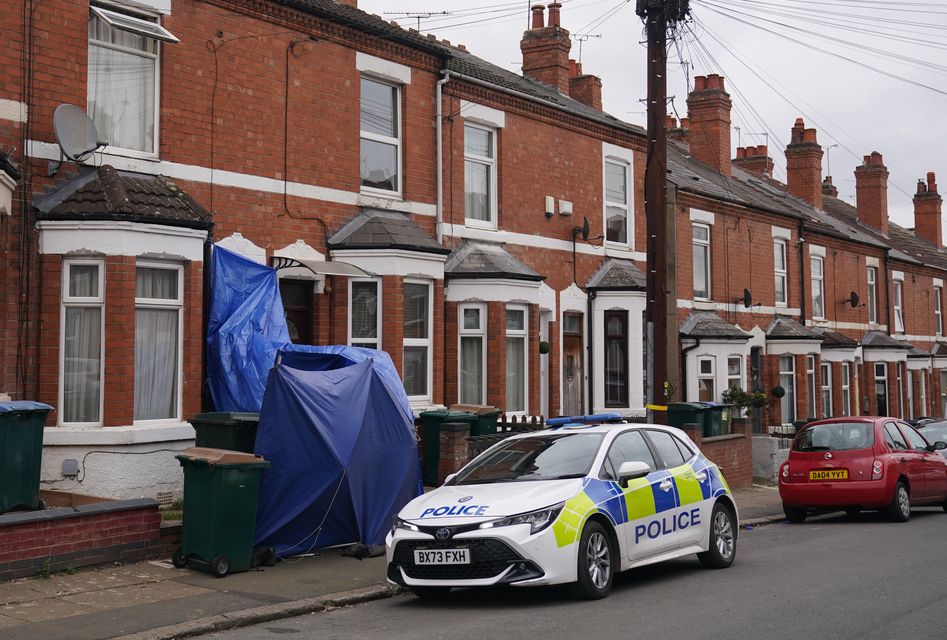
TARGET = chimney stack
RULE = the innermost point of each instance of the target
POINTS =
(587, 89)
(755, 160)
(804, 165)
(546, 50)
(708, 107)
(927, 212)
(674, 130)
(871, 192)
(828, 188)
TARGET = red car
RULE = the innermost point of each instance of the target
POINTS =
(862, 463)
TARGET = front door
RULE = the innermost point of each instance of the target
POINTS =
(572, 369)
(297, 305)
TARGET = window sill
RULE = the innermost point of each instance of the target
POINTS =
(118, 152)
(114, 436)
(483, 225)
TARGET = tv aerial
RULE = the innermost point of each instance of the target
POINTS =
(75, 132)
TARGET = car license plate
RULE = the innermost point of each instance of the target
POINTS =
(442, 556)
(829, 474)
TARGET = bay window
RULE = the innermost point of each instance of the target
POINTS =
(83, 298)
(417, 340)
(472, 320)
(364, 318)
(516, 364)
(159, 300)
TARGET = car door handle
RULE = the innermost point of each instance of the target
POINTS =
(701, 476)
(666, 485)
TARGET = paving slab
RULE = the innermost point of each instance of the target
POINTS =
(133, 595)
(9, 622)
(41, 610)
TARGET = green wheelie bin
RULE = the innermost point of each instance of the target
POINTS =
(221, 489)
(431, 422)
(21, 451)
(231, 430)
(681, 413)
(486, 418)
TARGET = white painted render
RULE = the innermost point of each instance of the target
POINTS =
(633, 302)
(720, 350)
(118, 238)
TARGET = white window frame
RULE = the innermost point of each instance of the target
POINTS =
(780, 244)
(739, 377)
(103, 10)
(627, 205)
(375, 137)
(938, 311)
(872, 279)
(790, 392)
(883, 378)
(846, 389)
(491, 164)
(712, 376)
(707, 261)
(826, 370)
(175, 305)
(898, 306)
(818, 285)
(422, 342)
(524, 335)
(811, 404)
(479, 332)
(81, 302)
(378, 314)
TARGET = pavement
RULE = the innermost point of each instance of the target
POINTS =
(155, 601)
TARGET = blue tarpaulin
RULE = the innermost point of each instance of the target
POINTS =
(335, 422)
(343, 452)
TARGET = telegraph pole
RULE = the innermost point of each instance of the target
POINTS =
(661, 311)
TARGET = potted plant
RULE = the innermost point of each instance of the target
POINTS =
(778, 392)
(741, 400)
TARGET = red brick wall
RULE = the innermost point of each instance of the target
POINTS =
(732, 453)
(121, 532)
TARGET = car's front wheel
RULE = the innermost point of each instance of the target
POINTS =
(596, 563)
(723, 540)
(900, 508)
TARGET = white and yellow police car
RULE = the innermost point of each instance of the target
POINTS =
(570, 504)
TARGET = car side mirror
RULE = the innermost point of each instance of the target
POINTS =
(631, 470)
(939, 445)
(449, 478)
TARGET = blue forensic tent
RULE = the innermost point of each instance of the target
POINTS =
(335, 422)
(342, 450)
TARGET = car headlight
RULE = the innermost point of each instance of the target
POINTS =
(537, 520)
(398, 523)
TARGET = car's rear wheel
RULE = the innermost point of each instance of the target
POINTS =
(596, 563)
(795, 515)
(723, 540)
(431, 593)
(900, 508)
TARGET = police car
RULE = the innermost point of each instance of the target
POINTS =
(574, 503)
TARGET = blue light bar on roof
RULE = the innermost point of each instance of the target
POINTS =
(562, 421)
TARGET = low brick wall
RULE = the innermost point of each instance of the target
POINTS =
(733, 453)
(61, 538)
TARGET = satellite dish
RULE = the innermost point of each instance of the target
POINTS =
(75, 132)
(747, 299)
(853, 299)
(583, 230)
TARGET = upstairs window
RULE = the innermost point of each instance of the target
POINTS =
(700, 245)
(380, 118)
(818, 288)
(938, 311)
(480, 176)
(123, 77)
(617, 202)
(780, 270)
(872, 295)
(898, 306)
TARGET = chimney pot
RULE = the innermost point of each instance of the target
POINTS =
(537, 10)
(762, 150)
(931, 182)
(700, 83)
(685, 123)
(670, 122)
(921, 187)
(554, 14)
(928, 213)
(741, 153)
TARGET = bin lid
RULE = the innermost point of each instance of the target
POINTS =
(475, 409)
(434, 413)
(226, 417)
(683, 406)
(713, 405)
(23, 405)
(220, 456)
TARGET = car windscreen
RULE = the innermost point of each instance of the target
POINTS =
(836, 436)
(934, 432)
(540, 457)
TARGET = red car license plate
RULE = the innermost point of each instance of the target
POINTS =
(829, 474)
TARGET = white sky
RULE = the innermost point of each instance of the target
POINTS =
(772, 80)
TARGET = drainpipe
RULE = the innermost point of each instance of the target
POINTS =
(590, 349)
(684, 353)
(800, 245)
(439, 127)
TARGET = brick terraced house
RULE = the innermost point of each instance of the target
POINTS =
(311, 136)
